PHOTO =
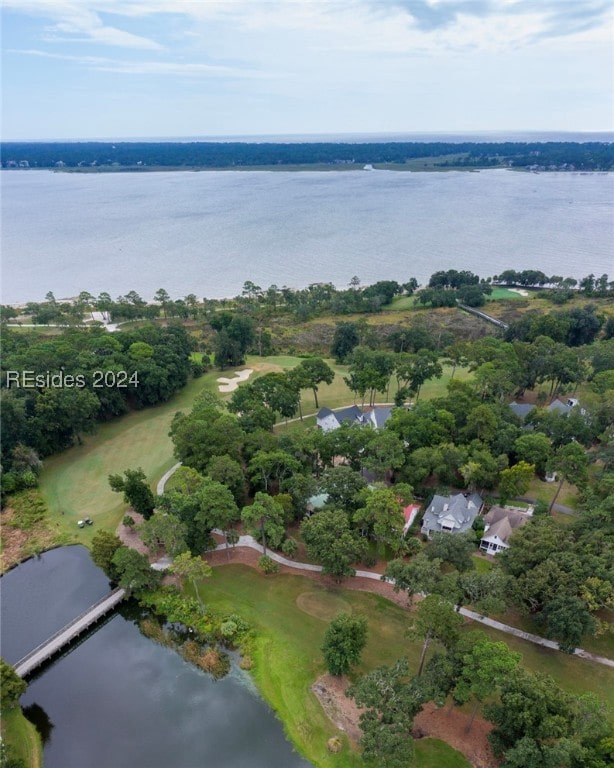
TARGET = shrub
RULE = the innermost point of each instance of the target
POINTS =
(228, 629)
(289, 547)
(208, 658)
(29, 508)
(128, 521)
(268, 565)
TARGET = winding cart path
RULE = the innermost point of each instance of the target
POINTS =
(249, 542)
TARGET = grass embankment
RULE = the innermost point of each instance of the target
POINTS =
(22, 538)
(23, 738)
(290, 614)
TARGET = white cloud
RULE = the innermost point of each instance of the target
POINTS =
(75, 22)
(177, 68)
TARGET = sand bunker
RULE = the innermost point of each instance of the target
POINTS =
(229, 385)
(521, 291)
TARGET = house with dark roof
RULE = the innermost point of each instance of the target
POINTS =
(451, 514)
(499, 524)
(379, 415)
(522, 410)
(328, 420)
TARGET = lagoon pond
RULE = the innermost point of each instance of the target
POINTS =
(117, 699)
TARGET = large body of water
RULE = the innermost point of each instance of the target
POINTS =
(119, 700)
(208, 232)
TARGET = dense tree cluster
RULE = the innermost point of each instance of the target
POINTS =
(85, 376)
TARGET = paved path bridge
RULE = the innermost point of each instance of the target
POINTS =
(67, 634)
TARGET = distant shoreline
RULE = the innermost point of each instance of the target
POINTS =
(325, 156)
(305, 168)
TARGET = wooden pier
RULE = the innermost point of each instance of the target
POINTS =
(67, 634)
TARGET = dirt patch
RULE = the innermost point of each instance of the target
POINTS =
(130, 536)
(340, 710)
(450, 725)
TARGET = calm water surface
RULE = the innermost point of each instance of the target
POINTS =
(119, 700)
(208, 232)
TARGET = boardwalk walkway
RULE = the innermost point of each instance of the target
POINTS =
(484, 316)
(52, 645)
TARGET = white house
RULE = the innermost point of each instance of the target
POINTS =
(499, 524)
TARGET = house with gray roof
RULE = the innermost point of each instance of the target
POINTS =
(451, 514)
(522, 410)
(379, 415)
(499, 524)
(328, 420)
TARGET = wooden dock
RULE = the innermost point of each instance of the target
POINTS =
(64, 636)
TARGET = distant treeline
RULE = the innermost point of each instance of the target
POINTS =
(589, 156)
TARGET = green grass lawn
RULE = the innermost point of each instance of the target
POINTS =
(290, 614)
(22, 736)
(543, 491)
(432, 753)
(401, 302)
(338, 394)
(74, 483)
(481, 564)
(602, 645)
(571, 673)
(504, 293)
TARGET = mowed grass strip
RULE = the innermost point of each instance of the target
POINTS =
(572, 673)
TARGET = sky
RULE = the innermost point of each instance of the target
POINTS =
(184, 68)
